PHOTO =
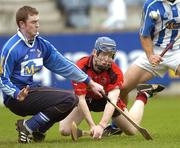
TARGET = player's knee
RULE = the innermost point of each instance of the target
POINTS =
(64, 131)
(131, 131)
(68, 104)
(125, 89)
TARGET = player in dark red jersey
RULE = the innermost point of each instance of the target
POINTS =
(100, 66)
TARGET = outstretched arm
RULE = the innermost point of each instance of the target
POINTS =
(83, 106)
(108, 112)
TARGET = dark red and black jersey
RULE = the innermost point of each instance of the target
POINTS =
(108, 79)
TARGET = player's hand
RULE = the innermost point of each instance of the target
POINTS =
(96, 88)
(23, 93)
(93, 128)
(98, 131)
(155, 59)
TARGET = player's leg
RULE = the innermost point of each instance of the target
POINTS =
(122, 123)
(173, 61)
(65, 125)
(136, 112)
(133, 76)
(176, 62)
(47, 106)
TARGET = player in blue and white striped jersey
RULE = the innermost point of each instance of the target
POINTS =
(160, 25)
(23, 55)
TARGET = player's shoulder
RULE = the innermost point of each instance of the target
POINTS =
(83, 61)
(42, 40)
(44, 43)
(12, 43)
(114, 65)
(148, 2)
(151, 3)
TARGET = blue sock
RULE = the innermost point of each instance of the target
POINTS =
(37, 121)
(45, 127)
(113, 125)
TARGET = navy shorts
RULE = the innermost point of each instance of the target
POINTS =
(98, 105)
(41, 98)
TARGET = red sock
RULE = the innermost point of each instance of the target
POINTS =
(142, 96)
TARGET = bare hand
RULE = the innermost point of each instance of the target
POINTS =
(96, 88)
(97, 132)
(23, 93)
(155, 59)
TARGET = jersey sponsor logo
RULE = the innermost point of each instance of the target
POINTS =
(172, 25)
(30, 67)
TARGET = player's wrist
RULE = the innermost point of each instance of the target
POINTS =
(102, 126)
(87, 81)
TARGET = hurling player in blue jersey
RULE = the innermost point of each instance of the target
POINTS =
(160, 25)
(23, 55)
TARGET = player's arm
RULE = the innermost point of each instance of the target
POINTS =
(109, 109)
(107, 114)
(147, 45)
(147, 26)
(83, 106)
(57, 63)
(7, 65)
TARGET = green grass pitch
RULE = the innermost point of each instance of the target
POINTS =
(161, 119)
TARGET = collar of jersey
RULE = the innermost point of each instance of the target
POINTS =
(177, 1)
(25, 39)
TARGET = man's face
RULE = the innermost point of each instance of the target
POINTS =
(103, 60)
(30, 27)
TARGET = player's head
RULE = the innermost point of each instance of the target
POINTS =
(104, 53)
(27, 19)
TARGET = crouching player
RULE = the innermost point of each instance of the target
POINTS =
(102, 69)
(24, 55)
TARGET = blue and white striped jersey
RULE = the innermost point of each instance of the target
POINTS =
(19, 61)
(166, 27)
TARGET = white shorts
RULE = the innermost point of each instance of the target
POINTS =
(171, 60)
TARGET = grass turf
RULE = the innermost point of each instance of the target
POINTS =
(162, 119)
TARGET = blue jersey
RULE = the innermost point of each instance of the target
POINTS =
(20, 60)
(166, 27)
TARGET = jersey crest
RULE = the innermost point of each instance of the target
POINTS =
(30, 67)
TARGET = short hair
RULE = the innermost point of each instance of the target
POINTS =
(23, 13)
